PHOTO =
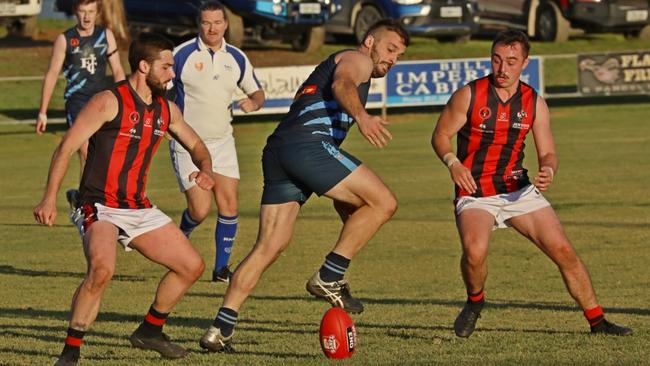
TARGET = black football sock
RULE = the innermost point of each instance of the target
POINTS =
(334, 267)
(153, 323)
(225, 321)
(476, 300)
(72, 347)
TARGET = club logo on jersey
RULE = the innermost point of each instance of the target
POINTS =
(134, 117)
(484, 113)
(503, 117)
(74, 42)
(521, 115)
(330, 344)
(89, 63)
(309, 89)
(198, 66)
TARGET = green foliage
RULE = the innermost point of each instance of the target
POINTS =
(407, 276)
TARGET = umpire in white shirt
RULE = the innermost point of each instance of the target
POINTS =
(208, 70)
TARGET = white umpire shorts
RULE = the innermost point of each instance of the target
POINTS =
(130, 222)
(224, 160)
(505, 206)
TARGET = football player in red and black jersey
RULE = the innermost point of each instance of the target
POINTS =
(491, 117)
(124, 126)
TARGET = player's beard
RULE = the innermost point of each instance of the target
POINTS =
(157, 87)
(378, 70)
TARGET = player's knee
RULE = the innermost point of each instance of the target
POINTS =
(194, 269)
(565, 253)
(270, 250)
(388, 206)
(474, 258)
(199, 212)
(99, 276)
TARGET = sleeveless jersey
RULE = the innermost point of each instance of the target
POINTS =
(85, 63)
(491, 143)
(315, 114)
(120, 152)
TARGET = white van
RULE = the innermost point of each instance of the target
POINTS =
(19, 16)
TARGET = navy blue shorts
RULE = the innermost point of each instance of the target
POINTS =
(293, 172)
(72, 108)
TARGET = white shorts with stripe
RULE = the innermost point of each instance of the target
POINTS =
(505, 206)
(222, 152)
(130, 222)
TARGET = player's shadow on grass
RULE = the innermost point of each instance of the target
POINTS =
(11, 270)
(494, 303)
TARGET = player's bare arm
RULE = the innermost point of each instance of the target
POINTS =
(353, 69)
(101, 108)
(184, 134)
(451, 120)
(114, 57)
(49, 82)
(545, 146)
(254, 101)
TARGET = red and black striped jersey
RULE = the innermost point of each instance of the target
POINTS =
(120, 152)
(491, 143)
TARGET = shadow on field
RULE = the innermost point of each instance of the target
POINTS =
(30, 114)
(11, 270)
(495, 304)
(22, 42)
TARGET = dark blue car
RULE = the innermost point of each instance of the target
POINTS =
(447, 20)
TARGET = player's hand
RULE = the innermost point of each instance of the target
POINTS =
(41, 123)
(372, 128)
(544, 178)
(202, 179)
(463, 177)
(247, 105)
(45, 212)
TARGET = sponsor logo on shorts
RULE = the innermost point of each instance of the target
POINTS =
(462, 202)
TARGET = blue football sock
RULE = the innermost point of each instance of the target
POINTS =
(334, 267)
(224, 237)
(187, 223)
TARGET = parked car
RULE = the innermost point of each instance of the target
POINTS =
(19, 16)
(447, 20)
(551, 20)
(297, 21)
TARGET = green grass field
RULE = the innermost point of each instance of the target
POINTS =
(407, 276)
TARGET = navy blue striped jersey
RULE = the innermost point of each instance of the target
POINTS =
(315, 114)
(85, 63)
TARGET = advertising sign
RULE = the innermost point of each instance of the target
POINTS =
(614, 73)
(418, 83)
(280, 84)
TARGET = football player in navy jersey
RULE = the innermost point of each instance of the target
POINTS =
(303, 156)
(82, 52)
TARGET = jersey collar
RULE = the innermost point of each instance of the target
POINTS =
(203, 47)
